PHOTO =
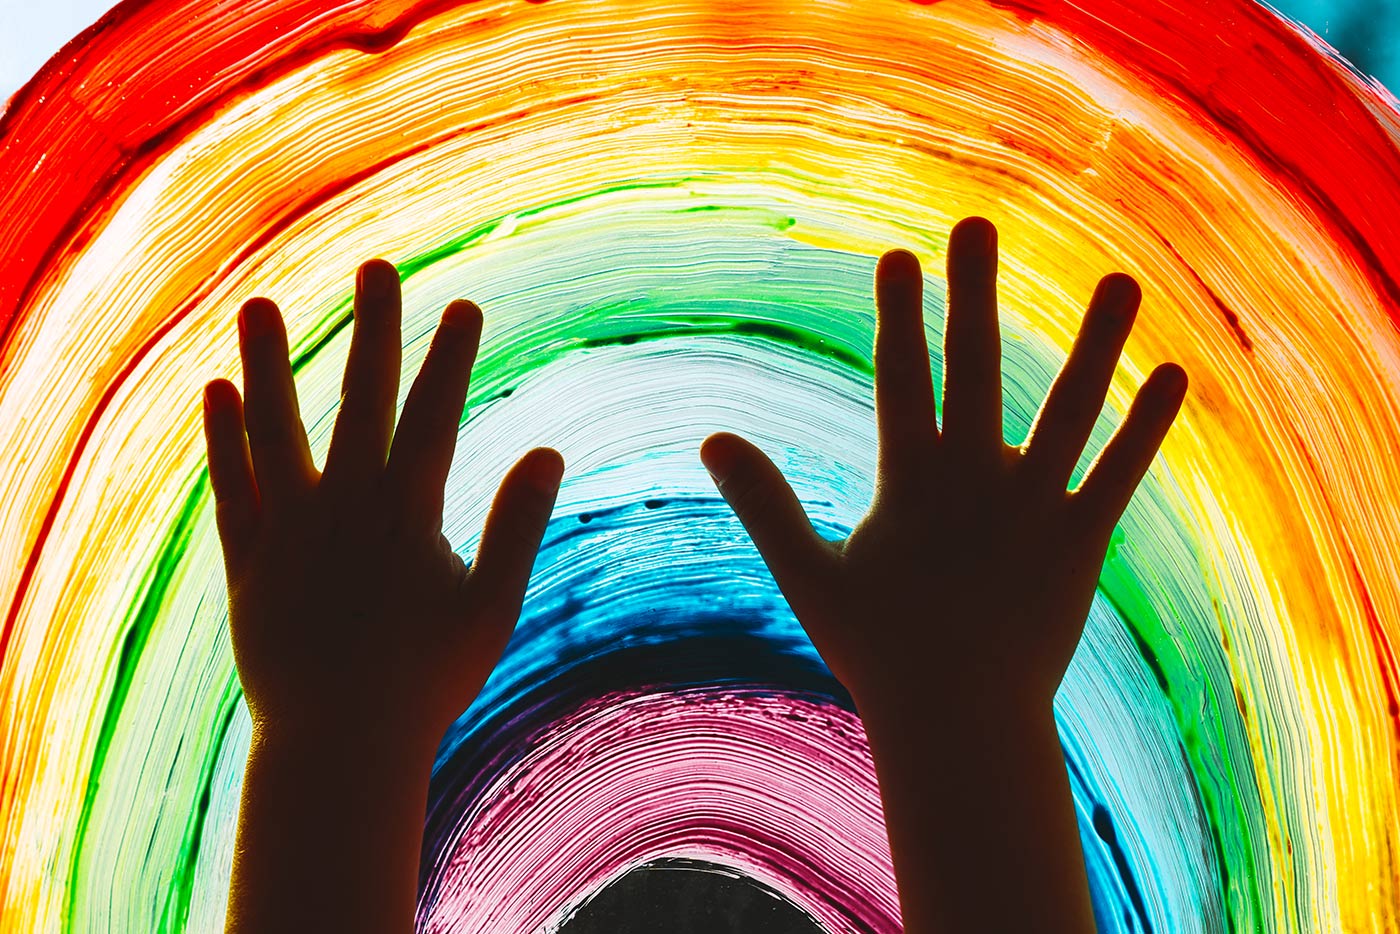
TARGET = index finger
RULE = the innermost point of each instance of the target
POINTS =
(904, 405)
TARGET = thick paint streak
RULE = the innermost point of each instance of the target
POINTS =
(671, 218)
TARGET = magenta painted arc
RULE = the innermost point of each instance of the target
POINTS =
(776, 786)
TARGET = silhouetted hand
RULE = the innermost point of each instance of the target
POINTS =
(952, 610)
(346, 602)
(358, 633)
(973, 572)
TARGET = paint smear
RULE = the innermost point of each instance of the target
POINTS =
(671, 215)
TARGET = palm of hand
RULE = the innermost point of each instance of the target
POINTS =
(975, 566)
(986, 589)
(342, 600)
(346, 602)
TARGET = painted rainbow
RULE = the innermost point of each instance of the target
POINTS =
(671, 214)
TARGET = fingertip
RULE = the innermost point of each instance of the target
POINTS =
(1121, 291)
(461, 313)
(258, 316)
(973, 236)
(220, 394)
(545, 470)
(1172, 379)
(898, 264)
(720, 454)
(719, 439)
(375, 274)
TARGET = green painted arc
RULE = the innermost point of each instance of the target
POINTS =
(175, 911)
(1121, 589)
(154, 589)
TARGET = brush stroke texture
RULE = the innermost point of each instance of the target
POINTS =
(671, 217)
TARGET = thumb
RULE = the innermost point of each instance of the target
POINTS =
(770, 512)
(515, 525)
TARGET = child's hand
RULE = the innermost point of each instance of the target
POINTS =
(346, 602)
(973, 572)
(952, 610)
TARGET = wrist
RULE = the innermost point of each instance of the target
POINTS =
(920, 712)
(339, 742)
(330, 828)
(977, 799)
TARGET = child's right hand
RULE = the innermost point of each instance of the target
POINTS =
(972, 574)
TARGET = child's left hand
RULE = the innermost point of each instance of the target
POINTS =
(346, 603)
